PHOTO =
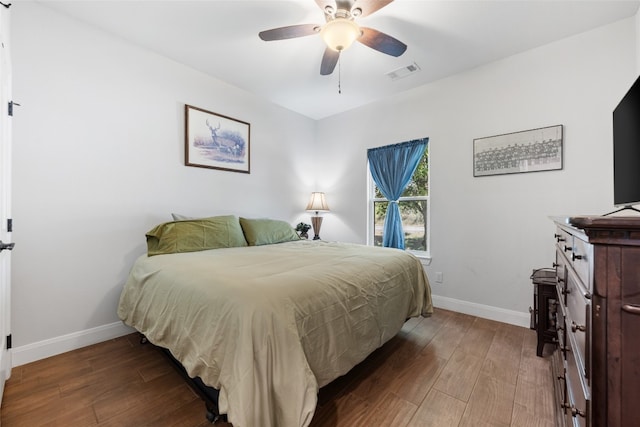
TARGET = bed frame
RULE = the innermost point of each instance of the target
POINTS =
(206, 393)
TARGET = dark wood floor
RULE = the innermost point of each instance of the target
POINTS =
(448, 370)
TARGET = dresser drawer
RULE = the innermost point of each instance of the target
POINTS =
(577, 321)
(581, 257)
(564, 241)
(561, 274)
(559, 387)
(560, 324)
(578, 396)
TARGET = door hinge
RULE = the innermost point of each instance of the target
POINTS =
(9, 225)
(9, 342)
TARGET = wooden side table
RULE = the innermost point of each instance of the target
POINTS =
(544, 307)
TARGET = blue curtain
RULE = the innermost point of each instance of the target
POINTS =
(392, 167)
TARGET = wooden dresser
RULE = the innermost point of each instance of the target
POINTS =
(597, 365)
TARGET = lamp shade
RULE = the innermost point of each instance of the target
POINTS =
(340, 33)
(317, 202)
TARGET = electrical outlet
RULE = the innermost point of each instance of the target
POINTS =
(438, 276)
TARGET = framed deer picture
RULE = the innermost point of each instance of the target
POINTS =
(215, 141)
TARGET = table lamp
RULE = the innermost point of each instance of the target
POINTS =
(318, 204)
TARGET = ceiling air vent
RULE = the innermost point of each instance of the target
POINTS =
(403, 72)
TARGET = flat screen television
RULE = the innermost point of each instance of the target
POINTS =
(626, 148)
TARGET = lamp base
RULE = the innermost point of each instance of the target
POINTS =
(316, 222)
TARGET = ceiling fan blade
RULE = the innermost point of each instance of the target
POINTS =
(369, 6)
(289, 32)
(381, 42)
(329, 61)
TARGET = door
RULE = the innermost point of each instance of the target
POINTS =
(5, 199)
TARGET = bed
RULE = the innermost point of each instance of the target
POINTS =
(268, 322)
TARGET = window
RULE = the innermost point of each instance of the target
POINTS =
(414, 210)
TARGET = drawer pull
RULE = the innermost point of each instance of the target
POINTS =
(575, 257)
(631, 308)
(555, 265)
(567, 248)
(575, 412)
(559, 238)
(566, 291)
(575, 327)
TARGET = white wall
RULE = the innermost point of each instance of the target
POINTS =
(489, 233)
(98, 160)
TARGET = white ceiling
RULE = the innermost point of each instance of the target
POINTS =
(444, 37)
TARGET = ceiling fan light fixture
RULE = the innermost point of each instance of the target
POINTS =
(340, 33)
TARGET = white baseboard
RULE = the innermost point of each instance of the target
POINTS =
(485, 311)
(53, 346)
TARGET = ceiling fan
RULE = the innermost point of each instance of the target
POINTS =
(341, 30)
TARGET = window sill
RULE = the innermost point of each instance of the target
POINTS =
(425, 258)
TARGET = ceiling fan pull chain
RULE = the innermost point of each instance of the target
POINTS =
(339, 75)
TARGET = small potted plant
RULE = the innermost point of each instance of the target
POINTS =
(302, 229)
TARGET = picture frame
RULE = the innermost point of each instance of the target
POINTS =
(532, 150)
(215, 141)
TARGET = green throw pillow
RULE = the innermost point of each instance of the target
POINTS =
(195, 235)
(267, 231)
